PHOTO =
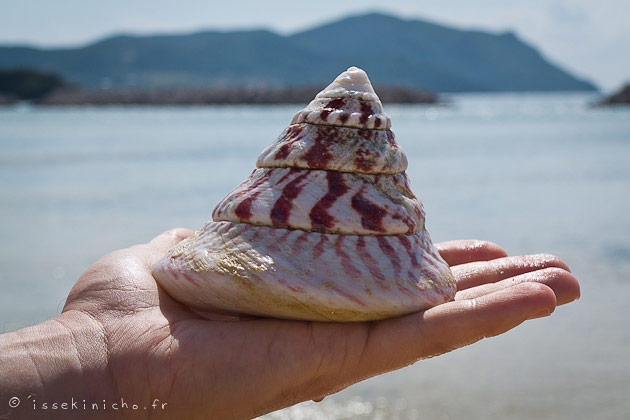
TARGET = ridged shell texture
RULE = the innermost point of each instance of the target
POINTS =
(325, 228)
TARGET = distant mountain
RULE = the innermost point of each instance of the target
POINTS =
(393, 51)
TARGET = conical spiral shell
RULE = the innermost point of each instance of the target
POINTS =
(326, 228)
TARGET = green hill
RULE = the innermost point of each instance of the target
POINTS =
(393, 51)
(28, 84)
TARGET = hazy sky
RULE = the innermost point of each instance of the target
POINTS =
(591, 38)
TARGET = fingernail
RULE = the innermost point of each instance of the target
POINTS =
(544, 313)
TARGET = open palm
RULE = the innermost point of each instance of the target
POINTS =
(151, 347)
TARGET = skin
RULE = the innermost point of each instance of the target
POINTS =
(121, 336)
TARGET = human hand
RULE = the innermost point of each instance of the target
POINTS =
(145, 346)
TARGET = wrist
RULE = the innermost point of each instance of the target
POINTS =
(61, 360)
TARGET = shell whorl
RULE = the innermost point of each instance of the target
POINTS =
(292, 274)
(343, 129)
(349, 101)
(336, 169)
(335, 148)
(324, 201)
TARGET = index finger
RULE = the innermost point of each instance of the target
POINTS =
(465, 251)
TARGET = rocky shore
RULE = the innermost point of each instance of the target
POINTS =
(219, 96)
(621, 97)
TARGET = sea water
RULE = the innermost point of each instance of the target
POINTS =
(533, 173)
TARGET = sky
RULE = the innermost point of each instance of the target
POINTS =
(590, 38)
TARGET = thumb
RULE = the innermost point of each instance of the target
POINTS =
(166, 240)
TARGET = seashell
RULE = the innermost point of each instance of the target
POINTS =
(326, 228)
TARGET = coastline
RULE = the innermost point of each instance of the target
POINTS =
(256, 95)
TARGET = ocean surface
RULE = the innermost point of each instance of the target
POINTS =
(533, 173)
